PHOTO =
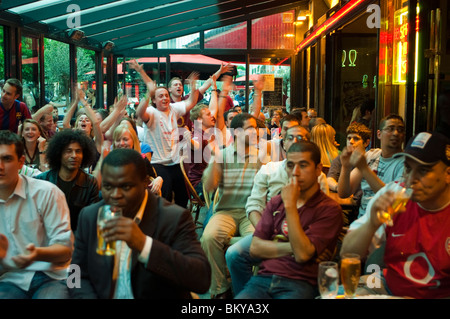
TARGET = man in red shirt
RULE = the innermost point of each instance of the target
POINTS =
(12, 111)
(417, 245)
(297, 230)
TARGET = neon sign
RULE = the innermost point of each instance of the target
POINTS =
(401, 45)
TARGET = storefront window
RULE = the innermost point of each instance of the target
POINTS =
(190, 41)
(229, 37)
(393, 57)
(30, 72)
(274, 32)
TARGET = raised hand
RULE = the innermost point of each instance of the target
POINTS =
(290, 193)
(135, 65)
(259, 83)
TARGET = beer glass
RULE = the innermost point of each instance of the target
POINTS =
(105, 213)
(402, 195)
(350, 273)
(328, 279)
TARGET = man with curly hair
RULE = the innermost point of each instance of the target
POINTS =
(68, 153)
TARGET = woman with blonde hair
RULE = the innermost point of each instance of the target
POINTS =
(35, 144)
(323, 135)
(125, 136)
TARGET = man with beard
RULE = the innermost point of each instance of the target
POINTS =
(68, 153)
(377, 167)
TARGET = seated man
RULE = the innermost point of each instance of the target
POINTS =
(357, 135)
(297, 230)
(231, 172)
(267, 183)
(372, 170)
(277, 150)
(416, 253)
(158, 254)
(68, 153)
(36, 242)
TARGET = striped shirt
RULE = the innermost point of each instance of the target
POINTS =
(237, 179)
(10, 119)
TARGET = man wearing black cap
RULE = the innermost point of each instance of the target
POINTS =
(417, 246)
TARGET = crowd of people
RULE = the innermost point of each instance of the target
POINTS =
(283, 196)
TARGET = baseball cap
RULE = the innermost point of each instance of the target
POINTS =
(428, 148)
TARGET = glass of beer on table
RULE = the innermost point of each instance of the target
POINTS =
(328, 279)
(105, 213)
(350, 273)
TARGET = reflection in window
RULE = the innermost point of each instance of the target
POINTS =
(57, 72)
(30, 73)
(274, 32)
(228, 37)
(190, 41)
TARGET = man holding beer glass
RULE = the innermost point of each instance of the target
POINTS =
(157, 253)
(417, 245)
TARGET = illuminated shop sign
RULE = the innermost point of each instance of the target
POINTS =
(401, 45)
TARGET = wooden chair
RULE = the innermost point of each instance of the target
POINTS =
(195, 202)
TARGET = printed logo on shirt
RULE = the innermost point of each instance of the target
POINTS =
(284, 228)
(18, 115)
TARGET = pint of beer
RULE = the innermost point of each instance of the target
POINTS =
(106, 213)
(350, 273)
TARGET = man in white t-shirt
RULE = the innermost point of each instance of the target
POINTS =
(161, 133)
(377, 167)
(417, 246)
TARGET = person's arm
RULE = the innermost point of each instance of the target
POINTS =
(212, 175)
(141, 110)
(42, 147)
(350, 178)
(109, 124)
(151, 88)
(213, 102)
(302, 247)
(257, 96)
(56, 254)
(98, 135)
(112, 118)
(140, 69)
(269, 249)
(106, 147)
(43, 110)
(223, 69)
(369, 175)
(193, 95)
(56, 219)
(257, 200)
(358, 240)
(69, 114)
(227, 86)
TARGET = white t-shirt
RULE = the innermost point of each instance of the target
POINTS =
(161, 133)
